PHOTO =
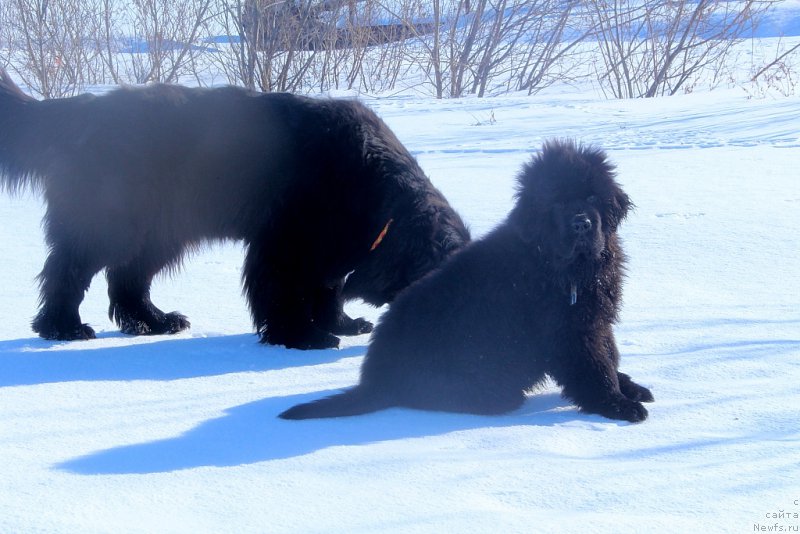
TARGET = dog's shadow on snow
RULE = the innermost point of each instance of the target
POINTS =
(253, 433)
(245, 434)
(115, 356)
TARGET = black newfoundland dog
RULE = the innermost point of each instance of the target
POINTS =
(317, 189)
(537, 296)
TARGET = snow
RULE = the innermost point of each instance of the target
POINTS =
(179, 433)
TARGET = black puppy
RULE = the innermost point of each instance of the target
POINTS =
(537, 296)
(135, 178)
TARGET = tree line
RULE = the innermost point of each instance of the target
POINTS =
(446, 48)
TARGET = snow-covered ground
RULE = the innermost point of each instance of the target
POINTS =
(179, 434)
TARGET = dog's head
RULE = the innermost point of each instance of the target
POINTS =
(569, 204)
(409, 246)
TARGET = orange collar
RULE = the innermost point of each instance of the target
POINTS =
(381, 236)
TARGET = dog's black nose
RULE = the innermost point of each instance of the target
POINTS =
(581, 224)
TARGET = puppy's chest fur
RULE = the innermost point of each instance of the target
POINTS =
(586, 289)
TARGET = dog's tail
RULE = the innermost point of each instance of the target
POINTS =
(355, 401)
(10, 91)
(15, 172)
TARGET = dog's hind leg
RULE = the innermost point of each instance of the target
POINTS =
(485, 401)
(460, 394)
(63, 282)
(129, 296)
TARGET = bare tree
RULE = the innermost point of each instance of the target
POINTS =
(276, 45)
(47, 44)
(436, 50)
(451, 47)
(654, 48)
(547, 51)
(779, 63)
(481, 46)
(525, 43)
(297, 45)
(107, 37)
(380, 41)
(163, 44)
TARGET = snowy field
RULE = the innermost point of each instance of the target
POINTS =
(179, 434)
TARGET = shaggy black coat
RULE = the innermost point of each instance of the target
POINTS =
(135, 178)
(537, 296)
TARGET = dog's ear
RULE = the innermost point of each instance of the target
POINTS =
(520, 220)
(449, 232)
(621, 205)
(625, 204)
(529, 180)
(450, 240)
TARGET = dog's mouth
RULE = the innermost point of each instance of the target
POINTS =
(583, 247)
(580, 249)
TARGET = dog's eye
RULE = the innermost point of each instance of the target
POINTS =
(592, 199)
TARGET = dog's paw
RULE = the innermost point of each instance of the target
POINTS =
(640, 394)
(621, 408)
(361, 326)
(84, 332)
(133, 327)
(81, 332)
(175, 322)
(627, 410)
(634, 391)
(311, 340)
(352, 327)
(145, 323)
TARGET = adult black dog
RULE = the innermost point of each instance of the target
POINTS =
(134, 178)
(537, 296)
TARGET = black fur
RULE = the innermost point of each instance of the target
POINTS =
(135, 178)
(537, 296)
